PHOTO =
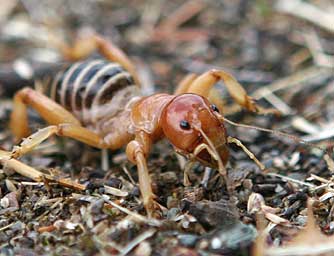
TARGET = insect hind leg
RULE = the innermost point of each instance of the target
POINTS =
(86, 43)
(65, 130)
(50, 111)
(62, 122)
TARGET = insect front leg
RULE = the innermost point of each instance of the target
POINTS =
(137, 151)
(246, 150)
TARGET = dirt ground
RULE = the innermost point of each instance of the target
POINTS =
(281, 51)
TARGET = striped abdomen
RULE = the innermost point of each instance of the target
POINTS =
(93, 90)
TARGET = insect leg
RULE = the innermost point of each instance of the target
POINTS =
(19, 118)
(113, 53)
(65, 130)
(187, 168)
(184, 84)
(204, 83)
(86, 44)
(136, 152)
(49, 110)
(4, 155)
(247, 151)
(187, 81)
(25, 170)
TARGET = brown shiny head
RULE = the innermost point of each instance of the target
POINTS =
(191, 124)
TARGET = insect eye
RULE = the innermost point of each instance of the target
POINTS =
(184, 125)
(214, 108)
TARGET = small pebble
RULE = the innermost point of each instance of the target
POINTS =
(135, 192)
(114, 182)
(171, 214)
(17, 226)
(143, 249)
(295, 157)
(216, 243)
(4, 202)
(188, 240)
(169, 177)
(301, 220)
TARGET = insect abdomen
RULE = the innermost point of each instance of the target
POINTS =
(90, 84)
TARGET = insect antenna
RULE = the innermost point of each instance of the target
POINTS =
(277, 133)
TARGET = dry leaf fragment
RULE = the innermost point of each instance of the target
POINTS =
(256, 204)
(330, 162)
(115, 191)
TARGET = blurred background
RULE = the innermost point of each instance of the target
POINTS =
(258, 41)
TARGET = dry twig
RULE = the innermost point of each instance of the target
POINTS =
(307, 11)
